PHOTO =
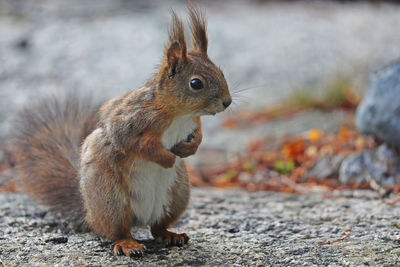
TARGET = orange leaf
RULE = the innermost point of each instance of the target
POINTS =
(293, 149)
(344, 134)
(314, 135)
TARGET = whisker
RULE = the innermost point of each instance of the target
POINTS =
(238, 101)
(241, 99)
(239, 96)
(230, 111)
(235, 84)
(242, 102)
(234, 108)
(248, 88)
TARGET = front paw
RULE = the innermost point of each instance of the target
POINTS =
(185, 149)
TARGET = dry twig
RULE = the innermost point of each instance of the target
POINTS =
(347, 234)
(392, 203)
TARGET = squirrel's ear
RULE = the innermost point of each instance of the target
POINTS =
(198, 26)
(175, 51)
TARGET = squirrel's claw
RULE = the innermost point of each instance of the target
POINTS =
(129, 248)
(136, 253)
(118, 251)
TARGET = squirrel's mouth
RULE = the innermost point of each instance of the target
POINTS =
(213, 109)
(209, 112)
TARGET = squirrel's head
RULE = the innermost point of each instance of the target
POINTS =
(189, 78)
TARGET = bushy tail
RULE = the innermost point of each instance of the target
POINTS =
(46, 147)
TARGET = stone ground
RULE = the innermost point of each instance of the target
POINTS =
(231, 228)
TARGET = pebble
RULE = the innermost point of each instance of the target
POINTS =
(234, 230)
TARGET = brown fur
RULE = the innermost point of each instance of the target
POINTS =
(127, 131)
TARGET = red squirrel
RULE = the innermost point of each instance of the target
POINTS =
(120, 165)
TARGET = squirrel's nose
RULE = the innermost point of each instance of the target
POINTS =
(227, 103)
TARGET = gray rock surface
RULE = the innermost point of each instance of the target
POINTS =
(226, 228)
(326, 167)
(379, 112)
(381, 164)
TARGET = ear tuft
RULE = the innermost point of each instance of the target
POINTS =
(198, 25)
(177, 33)
(176, 51)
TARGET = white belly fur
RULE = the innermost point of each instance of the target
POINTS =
(151, 182)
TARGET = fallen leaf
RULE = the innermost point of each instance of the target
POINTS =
(314, 135)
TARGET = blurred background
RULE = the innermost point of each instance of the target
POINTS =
(286, 62)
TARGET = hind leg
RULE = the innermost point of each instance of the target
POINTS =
(108, 212)
(179, 200)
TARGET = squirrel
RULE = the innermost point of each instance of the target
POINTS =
(113, 166)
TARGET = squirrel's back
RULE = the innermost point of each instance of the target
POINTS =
(46, 148)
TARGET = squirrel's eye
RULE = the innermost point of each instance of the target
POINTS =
(196, 84)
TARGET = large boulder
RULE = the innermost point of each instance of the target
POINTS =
(379, 112)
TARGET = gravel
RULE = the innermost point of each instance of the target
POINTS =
(226, 228)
